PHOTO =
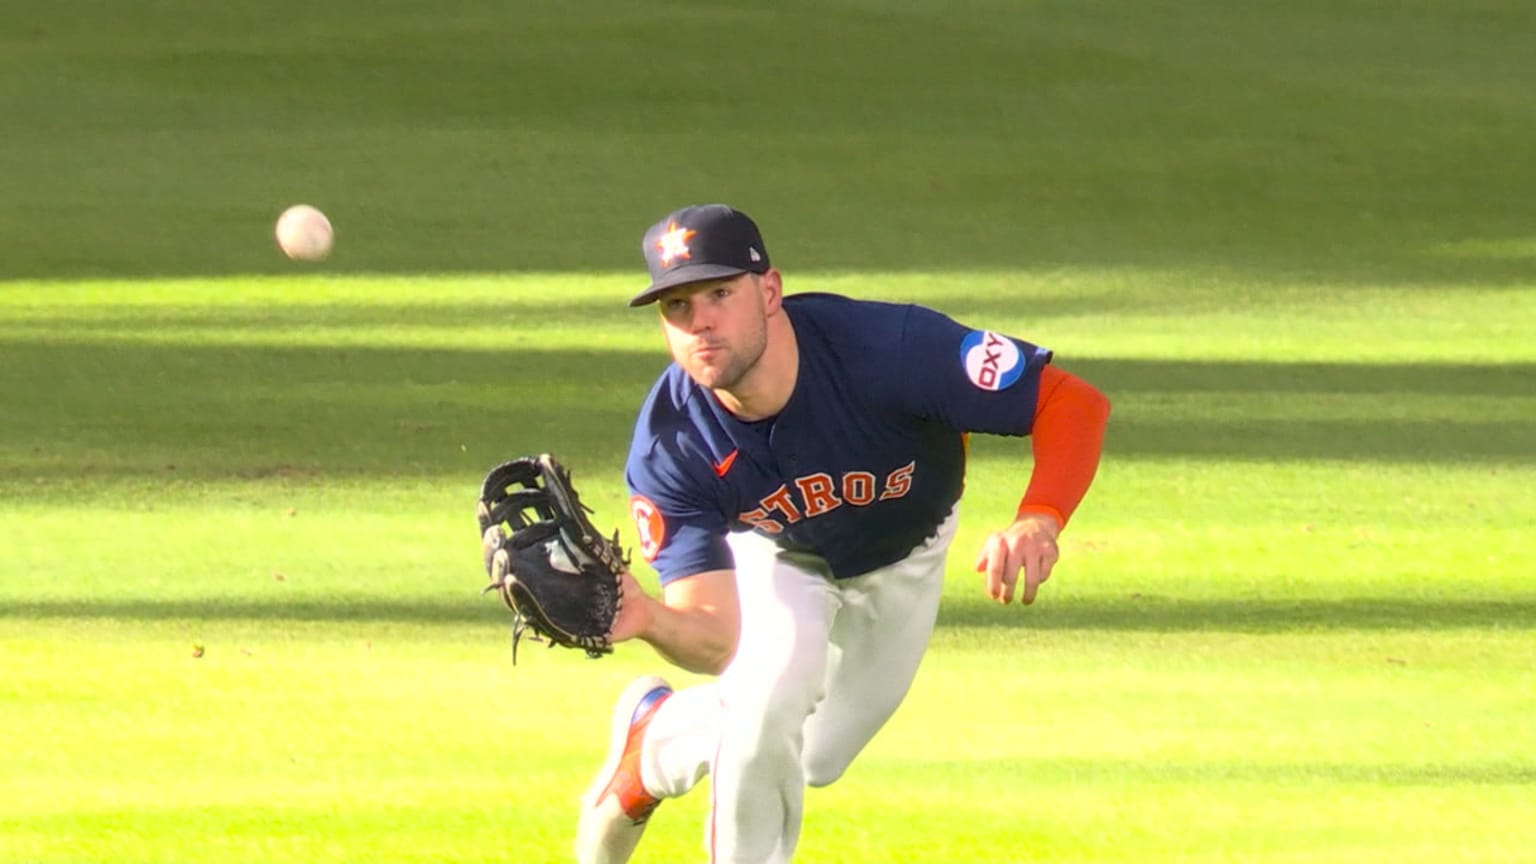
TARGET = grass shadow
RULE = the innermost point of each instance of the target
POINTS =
(1160, 614)
(94, 411)
(1170, 614)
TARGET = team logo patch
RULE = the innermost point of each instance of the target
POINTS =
(651, 528)
(674, 243)
(992, 362)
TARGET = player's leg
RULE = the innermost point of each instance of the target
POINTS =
(745, 726)
(772, 685)
(878, 640)
(681, 741)
(617, 805)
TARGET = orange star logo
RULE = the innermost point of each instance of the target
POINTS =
(674, 243)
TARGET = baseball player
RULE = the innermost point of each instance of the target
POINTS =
(794, 476)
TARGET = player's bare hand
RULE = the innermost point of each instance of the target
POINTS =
(634, 610)
(1027, 546)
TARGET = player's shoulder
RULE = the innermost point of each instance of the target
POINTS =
(851, 328)
(674, 429)
(842, 315)
(670, 407)
(869, 330)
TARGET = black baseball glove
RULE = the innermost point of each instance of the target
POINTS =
(557, 574)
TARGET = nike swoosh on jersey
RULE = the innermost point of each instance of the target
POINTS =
(725, 464)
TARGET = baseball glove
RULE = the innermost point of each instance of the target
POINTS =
(553, 569)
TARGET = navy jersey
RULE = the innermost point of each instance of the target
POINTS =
(862, 464)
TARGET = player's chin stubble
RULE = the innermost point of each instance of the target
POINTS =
(723, 368)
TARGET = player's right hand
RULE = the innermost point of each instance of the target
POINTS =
(1028, 545)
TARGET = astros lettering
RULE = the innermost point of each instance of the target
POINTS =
(822, 493)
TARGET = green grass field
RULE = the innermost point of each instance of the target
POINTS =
(1295, 243)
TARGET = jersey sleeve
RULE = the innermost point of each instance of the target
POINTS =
(970, 380)
(680, 531)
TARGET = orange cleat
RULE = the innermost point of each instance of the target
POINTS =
(616, 807)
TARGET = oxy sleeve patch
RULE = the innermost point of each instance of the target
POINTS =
(991, 361)
(650, 527)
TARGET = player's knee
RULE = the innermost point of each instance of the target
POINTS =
(780, 700)
(780, 718)
(823, 768)
(823, 775)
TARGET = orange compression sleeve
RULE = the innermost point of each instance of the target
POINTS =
(1068, 433)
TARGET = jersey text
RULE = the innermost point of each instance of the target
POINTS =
(821, 493)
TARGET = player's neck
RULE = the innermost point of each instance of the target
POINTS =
(766, 388)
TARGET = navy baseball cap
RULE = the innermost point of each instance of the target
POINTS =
(705, 241)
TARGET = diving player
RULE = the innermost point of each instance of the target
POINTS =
(794, 478)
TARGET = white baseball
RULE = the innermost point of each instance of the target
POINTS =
(304, 234)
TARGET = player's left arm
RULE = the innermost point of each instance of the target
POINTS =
(695, 624)
(1068, 437)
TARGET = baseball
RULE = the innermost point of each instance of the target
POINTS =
(304, 234)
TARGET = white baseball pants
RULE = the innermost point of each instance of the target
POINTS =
(821, 665)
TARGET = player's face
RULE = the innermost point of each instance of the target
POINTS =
(718, 329)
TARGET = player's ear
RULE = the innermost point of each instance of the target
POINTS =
(772, 287)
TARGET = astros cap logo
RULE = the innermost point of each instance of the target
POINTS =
(674, 243)
(698, 243)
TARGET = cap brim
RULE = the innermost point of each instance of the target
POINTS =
(684, 275)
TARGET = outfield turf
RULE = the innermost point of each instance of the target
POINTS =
(1295, 243)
